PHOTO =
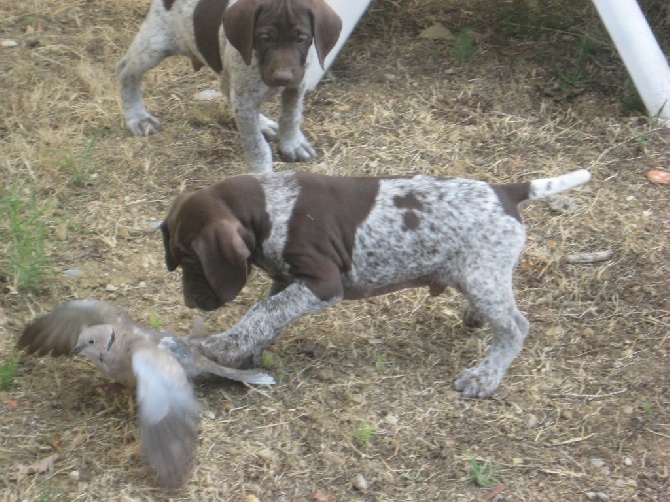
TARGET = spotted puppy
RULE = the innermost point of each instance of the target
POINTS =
(324, 239)
(256, 47)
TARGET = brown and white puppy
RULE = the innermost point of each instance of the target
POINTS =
(323, 239)
(256, 47)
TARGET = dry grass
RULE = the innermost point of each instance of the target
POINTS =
(591, 382)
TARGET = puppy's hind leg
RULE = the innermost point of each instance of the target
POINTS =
(150, 46)
(493, 300)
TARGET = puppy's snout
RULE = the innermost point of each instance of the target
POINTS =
(282, 76)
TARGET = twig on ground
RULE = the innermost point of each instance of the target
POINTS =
(593, 257)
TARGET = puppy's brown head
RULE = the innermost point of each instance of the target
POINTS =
(204, 238)
(281, 32)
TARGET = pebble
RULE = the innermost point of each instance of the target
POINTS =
(73, 272)
(155, 224)
(627, 461)
(61, 232)
(74, 475)
(596, 462)
(251, 498)
(562, 203)
(532, 421)
(111, 287)
(209, 414)
(597, 496)
(267, 454)
(391, 419)
(360, 483)
(206, 95)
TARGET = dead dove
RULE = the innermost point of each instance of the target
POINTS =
(157, 362)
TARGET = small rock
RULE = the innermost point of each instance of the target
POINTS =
(597, 496)
(360, 483)
(155, 224)
(627, 461)
(209, 414)
(74, 475)
(391, 419)
(437, 32)
(562, 203)
(72, 272)
(325, 374)
(628, 409)
(206, 95)
(251, 498)
(532, 421)
(111, 287)
(267, 454)
(389, 77)
(8, 43)
(596, 462)
(566, 414)
(61, 232)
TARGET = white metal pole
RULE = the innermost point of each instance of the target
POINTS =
(639, 50)
(350, 11)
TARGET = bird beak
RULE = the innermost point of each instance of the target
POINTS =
(77, 350)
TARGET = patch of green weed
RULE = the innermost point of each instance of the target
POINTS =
(465, 46)
(521, 19)
(569, 79)
(24, 217)
(82, 169)
(363, 434)
(483, 474)
(8, 372)
(156, 322)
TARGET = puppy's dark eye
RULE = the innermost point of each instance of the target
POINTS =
(301, 37)
(91, 342)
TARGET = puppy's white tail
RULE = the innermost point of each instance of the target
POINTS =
(550, 186)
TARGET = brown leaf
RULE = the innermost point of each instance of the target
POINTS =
(12, 404)
(495, 492)
(46, 464)
(658, 176)
(56, 443)
(323, 497)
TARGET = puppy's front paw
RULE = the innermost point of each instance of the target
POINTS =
(144, 125)
(296, 149)
(478, 382)
(269, 128)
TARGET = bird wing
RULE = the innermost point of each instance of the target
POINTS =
(169, 414)
(57, 331)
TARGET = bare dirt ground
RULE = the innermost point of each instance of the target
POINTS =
(584, 411)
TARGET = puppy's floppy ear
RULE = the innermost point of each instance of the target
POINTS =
(326, 27)
(223, 255)
(170, 259)
(239, 21)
